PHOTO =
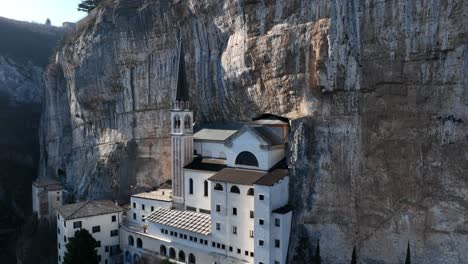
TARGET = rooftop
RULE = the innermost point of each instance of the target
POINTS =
(213, 134)
(262, 132)
(47, 182)
(283, 210)
(205, 165)
(186, 220)
(155, 195)
(88, 208)
(238, 176)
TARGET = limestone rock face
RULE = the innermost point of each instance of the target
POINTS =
(377, 90)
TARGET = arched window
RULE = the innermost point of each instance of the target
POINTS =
(182, 256)
(139, 243)
(190, 186)
(246, 158)
(128, 257)
(176, 122)
(218, 187)
(205, 188)
(235, 189)
(131, 241)
(250, 191)
(191, 258)
(187, 122)
(172, 254)
(162, 250)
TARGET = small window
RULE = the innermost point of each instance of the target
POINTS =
(250, 192)
(234, 211)
(114, 218)
(218, 226)
(58, 231)
(230, 249)
(195, 239)
(185, 237)
(205, 189)
(218, 208)
(213, 244)
(134, 205)
(277, 222)
(98, 243)
(64, 239)
(246, 253)
(238, 251)
(251, 214)
(106, 262)
(106, 248)
(218, 187)
(59, 246)
(235, 189)
(261, 197)
(77, 224)
(175, 234)
(134, 216)
(142, 218)
(190, 208)
(251, 254)
(114, 233)
(152, 208)
(58, 217)
(260, 221)
(171, 233)
(58, 198)
(218, 245)
(96, 229)
(142, 207)
(190, 186)
(64, 223)
(234, 230)
(251, 233)
(277, 262)
(223, 246)
(277, 243)
(260, 242)
(206, 242)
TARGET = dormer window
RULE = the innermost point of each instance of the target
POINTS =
(247, 158)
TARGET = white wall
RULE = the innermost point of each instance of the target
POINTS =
(248, 141)
(106, 225)
(282, 233)
(244, 204)
(210, 149)
(55, 199)
(197, 199)
(139, 212)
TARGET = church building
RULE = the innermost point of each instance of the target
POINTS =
(229, 201)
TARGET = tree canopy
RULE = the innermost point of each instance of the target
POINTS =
(81, 249)
(88, 5)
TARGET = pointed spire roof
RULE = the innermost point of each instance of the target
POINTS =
(182, 91)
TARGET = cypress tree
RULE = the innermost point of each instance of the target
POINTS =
(353, 257)
(318, 259)
(408, 255)
(81, 249)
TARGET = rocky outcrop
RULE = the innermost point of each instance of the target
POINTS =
(377, 91)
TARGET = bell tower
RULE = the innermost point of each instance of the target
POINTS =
(181, 132)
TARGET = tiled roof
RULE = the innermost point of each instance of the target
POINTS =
(213, 134)
(43, 182)
(272, 177)
(186, 220)
(238, 176)
(88, 208)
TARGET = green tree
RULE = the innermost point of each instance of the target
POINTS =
(353, 257)
(88, 5)
(317, 258)
(81, 249)
(408, 255)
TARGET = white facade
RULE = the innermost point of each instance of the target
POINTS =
(197, 190)
(104, 228)
(143, 204)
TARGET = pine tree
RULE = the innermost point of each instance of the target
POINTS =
(48, 22)
(88, 5)
(81, 249)
(318, 259)
(353, 257)
(408, 255)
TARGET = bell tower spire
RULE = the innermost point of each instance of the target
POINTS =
(181, 131)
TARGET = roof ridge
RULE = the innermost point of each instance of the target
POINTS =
(79, 208)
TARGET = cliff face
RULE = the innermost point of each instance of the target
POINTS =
(377, 90)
